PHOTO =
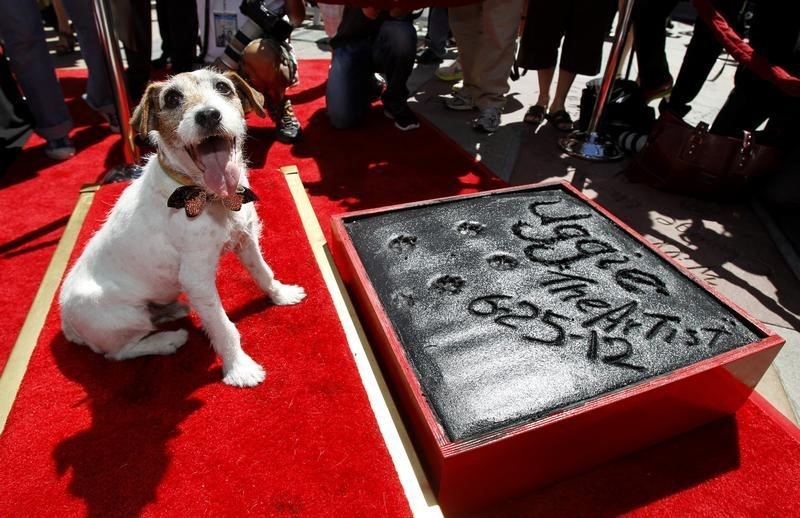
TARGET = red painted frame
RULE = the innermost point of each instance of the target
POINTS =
(476, 472)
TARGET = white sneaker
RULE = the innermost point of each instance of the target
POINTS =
(488, 121)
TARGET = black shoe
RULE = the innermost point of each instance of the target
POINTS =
(287, 126)
(160, 63)
(427, 57)
(681, 110)
(404, 119)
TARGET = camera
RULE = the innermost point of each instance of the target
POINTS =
(271, 23)
(261, 22)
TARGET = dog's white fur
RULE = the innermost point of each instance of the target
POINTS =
(145, 255)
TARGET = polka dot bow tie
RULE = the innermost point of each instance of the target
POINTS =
(193, 199)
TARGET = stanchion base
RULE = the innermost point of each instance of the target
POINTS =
(122, 173)
(590, 146)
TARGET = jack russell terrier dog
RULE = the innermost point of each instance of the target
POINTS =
(168, 229)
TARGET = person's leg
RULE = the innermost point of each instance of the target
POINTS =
(99, 92)
(138, 53)
(747, 106)
(393, 55)
(66, 40)
(261, 66)
(182, 27)
(586, 27)
(498, 49)
(565, 80)
(267, 66)
(162, 13)
(545, 76)
(347, 96)
(465, 22)
(438, 29)
(538, 50)
(649, 40)
(699, 59)
(21, 27)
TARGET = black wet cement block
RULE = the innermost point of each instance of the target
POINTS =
(511, 306)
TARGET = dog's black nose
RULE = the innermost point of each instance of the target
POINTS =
(208, 118)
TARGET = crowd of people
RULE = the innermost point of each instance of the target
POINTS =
(374, 53)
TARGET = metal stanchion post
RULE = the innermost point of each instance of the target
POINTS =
(590, 144)
(110, 43)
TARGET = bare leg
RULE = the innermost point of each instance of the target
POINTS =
(565, 80)
(545, 80)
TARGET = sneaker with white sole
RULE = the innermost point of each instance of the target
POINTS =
(59, 149)
(488, 121)
(450, 73)
(404, 119)
(287, 126)
(459, 102)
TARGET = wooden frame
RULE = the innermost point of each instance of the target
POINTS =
(475, 472)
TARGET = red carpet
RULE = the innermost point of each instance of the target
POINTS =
(162, 436)
(37, 196)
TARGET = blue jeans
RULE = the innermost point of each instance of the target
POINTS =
(438, 30)
(350, 82)
(21, 27)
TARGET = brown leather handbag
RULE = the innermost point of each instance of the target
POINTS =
(690, 160)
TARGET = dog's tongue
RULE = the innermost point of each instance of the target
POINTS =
(221, 173)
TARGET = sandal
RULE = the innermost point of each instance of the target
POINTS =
(66, 43)
(535, 115)
(561, 120)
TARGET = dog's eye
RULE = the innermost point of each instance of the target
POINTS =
(173, 99)
(223, 88)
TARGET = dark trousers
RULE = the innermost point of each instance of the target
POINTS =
(178, 25)
(700, 57)
(350, 81)
(649, 40)
(180, 34)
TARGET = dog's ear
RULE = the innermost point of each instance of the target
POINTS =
(252, 100)
(143, 120)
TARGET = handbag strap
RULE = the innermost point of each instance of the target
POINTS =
(696, 139)
(746, 151)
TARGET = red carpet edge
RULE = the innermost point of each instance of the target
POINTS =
(412, 476)
(21, 351)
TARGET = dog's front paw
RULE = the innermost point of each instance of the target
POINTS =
(286, 294)
(243, 372)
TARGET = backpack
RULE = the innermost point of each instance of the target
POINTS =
(626, 109)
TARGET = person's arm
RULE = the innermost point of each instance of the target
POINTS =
(296, 11)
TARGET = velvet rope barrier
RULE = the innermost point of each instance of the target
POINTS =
(592, 144)
(742, 52)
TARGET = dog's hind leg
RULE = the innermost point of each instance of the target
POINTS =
(161, 313)
(249, 254)
(163, 343)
